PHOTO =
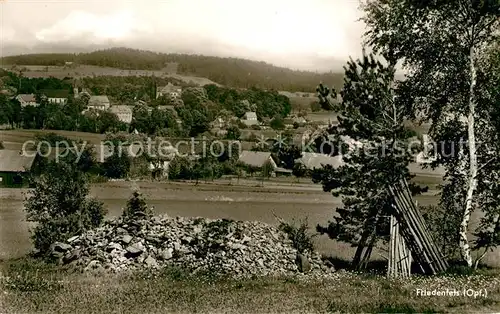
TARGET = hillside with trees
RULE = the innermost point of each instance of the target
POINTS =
(231, 72)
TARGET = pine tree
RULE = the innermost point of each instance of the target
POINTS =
(371, 113)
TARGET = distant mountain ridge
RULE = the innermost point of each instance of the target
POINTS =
(232, 72)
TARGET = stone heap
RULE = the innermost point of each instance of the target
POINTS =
(226, 247)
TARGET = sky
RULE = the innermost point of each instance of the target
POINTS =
(301, 34)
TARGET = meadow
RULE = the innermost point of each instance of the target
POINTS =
(40, 288)
(81, 71)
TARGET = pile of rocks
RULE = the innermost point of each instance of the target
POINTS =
(224, 246)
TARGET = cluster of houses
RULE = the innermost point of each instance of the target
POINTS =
(125, 112)
(53, 96)
(95, 102)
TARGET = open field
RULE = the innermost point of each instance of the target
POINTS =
(36, 71)
(302, 103)
(44, 289)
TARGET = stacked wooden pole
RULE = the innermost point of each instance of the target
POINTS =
(399, 261)
(413, 229)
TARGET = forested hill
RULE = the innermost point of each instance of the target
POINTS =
(232, 72)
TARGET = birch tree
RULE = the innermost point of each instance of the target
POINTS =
(441, 44)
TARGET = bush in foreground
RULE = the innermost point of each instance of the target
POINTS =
(59, 205)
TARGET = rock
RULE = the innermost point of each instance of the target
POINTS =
(330, 265)
(236, 246)
(60, 247)
(121, 231)
(302, 263)
(73, 239)
(134, 250)
(114, 246)
(241, 249)
(167, 254)
(71, 256)
(126, 239)
(150, 261)
(141, 259)
(93, 264)
(260, 261)
(197, 229)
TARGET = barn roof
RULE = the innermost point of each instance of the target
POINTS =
(255, 159)
(27, 97)
(98, 99)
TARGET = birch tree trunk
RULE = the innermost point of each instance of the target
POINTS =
(472, 176)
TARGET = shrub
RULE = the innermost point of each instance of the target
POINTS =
(180, 168)
(59, 205)
(299, 170)
(233, 133)
(137, 208)
(277, 123)
(117, 165)
(302, 241)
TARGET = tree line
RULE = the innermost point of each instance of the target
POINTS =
(231, 72)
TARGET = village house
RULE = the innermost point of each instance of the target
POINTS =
(14, 166)
(100, 102)
(27, 100)
(56, 96)
(124, 113)
(169, 90)
(250, 118)
(257, 160)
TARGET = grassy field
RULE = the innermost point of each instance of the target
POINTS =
(31, 287)
(34, 71)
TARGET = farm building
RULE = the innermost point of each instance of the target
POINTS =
(250, 118)
(256, 159)
(315, 161)
(14, 166)
(27, 100)
(56, 96)
(124, 113)
(100, 102)
(169, 90)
